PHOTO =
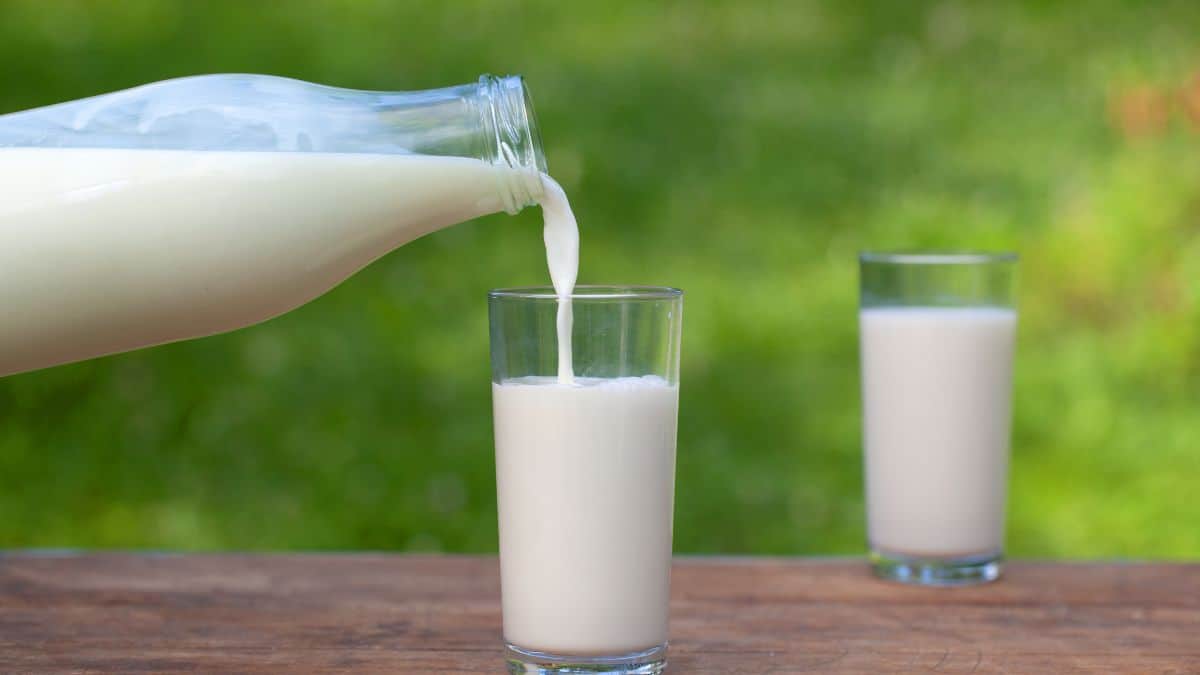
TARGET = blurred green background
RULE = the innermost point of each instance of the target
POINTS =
(742, 151)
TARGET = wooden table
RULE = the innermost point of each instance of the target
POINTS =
(441, 614)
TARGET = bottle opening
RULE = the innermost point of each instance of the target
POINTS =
(517, 140)
(534, 130)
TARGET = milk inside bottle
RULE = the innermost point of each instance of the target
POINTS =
(200, 205)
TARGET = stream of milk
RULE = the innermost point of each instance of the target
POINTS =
(562, 257)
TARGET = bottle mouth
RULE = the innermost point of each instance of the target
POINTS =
(533, 131)
(517, 139)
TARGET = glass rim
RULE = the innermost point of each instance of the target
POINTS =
(938, 258)
(588, 292)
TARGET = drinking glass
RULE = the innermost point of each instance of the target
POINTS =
(937, 337)
(585, 476)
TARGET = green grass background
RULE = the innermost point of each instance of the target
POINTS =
(743, 151)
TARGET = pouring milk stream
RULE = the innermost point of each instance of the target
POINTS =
(562, 257)
(197, 206)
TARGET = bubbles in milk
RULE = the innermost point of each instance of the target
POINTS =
(562, 256)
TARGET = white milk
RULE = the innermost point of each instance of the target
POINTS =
(562, 257)
(937, 386)
(585, 483)
(103, 251)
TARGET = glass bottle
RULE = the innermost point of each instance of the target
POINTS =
(204, 204)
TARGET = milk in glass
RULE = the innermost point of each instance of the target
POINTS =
(937, 387)
(585, 478)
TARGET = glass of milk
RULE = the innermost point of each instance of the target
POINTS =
(585, 475)
(936, 338)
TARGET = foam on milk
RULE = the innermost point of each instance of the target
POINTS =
(585, 484)
(937, 386)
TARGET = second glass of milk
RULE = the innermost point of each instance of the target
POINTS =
(936, 338)
(585, 476)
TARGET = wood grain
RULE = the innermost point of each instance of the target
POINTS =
(440, 614)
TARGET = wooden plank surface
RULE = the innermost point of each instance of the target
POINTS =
(440, 614)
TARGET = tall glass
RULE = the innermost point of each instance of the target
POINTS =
(585, 476)
(937, 334)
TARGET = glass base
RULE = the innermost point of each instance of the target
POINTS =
(964, 571)
(527, 661)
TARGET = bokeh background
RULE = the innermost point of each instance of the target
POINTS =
(744, 151)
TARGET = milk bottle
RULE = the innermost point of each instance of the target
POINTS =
(200, 205)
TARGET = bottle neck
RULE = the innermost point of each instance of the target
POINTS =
(512, 140)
